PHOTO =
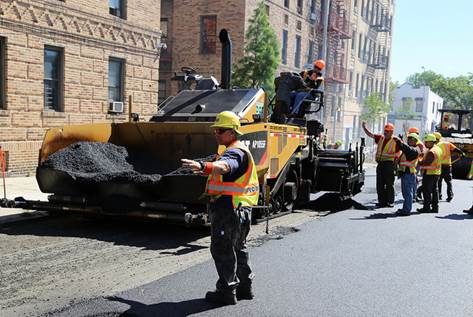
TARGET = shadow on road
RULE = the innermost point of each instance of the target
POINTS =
(184, 308)
(332, 202)
(147, 235)
(457, 217)
(383, 216)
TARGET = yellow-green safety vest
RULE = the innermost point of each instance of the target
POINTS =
(405, 164)
(388, 153)
(446, 157)
(435, 168)
(244, 190)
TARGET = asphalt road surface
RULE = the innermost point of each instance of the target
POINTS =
(357, 262)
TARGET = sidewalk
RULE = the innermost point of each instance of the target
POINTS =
(27, 188)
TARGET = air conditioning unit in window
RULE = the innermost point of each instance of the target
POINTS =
(313, 17)
(116, 106)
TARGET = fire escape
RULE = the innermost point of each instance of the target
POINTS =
(380, 23)
(338, 32)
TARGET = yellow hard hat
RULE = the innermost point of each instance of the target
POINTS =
(228, 120)
(430, 137)
(438, 136)
(413, 135)
(339, 143)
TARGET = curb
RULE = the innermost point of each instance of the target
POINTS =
(18, 215)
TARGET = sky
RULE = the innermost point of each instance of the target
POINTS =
(434, 34)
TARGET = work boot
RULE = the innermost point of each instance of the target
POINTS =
(401, 212)
(244, 293)
(468, 211)
(422, 210)
(449, 199)
(440, 197)
(221, 298)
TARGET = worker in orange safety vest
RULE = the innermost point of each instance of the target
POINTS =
(232, 188)
(386, 154)
(446, 161)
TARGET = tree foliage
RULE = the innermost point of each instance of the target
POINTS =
(257, 68)
(457, 92)
(374, 108)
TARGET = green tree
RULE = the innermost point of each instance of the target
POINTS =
(457, 92)
(374, 108)
(257, 68)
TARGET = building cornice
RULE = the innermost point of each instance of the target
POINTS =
(44, 20)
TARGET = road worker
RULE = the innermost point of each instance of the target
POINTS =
(313, 79)
(421, 147)
(446, 161)
(431, 169)
(386, 154)
(407, 171)
(232, 187)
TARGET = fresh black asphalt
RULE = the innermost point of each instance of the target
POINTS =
(351, 263)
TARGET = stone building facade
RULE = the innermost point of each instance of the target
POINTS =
(368, 63)
(63, 62)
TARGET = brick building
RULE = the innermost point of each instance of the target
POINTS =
(65, 62)
(359, 44)
(193, 25)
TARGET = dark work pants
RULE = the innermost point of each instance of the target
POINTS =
(385, 182)
(430, 192)
(229, 229)
(447, 176)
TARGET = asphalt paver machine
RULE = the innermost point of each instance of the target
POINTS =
(290, 163)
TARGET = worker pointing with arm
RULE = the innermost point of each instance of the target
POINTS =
(233, 188)
(386, 154)
(407, 171)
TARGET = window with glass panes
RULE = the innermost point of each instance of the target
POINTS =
(53, 58)
(115, 79)
(284, 47)
(2, 72)
(208, 34)
(297, 57)
(117, 8)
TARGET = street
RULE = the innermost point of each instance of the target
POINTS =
(357, 262)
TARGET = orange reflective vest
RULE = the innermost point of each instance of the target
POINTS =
(244, 191)
(388, 153)
(435, 168)
(446, 157)
(410, 165)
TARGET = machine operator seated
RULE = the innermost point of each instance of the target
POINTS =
(291, 92)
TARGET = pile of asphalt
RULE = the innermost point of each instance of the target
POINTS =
(95, 162)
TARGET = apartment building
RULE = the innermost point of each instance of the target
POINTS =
(368, 62)
(415, 107)
(68, 62)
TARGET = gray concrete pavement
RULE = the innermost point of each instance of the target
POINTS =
(358, 262)
(25, 187)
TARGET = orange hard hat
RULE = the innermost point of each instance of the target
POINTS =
(414, 130)
(389, 127)
(320, 64)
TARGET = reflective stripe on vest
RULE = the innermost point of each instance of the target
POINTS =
(435, 168)
(244, 190)
(446, 156)
(411, 165)
(388, 153)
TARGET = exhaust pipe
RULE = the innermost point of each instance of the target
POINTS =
(226, 74)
